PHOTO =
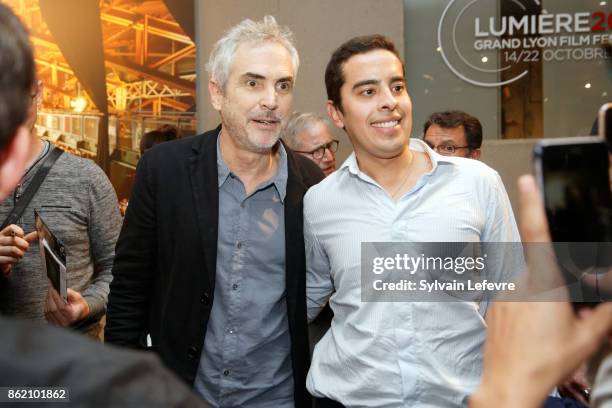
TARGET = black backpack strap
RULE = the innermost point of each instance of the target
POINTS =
(27, 196)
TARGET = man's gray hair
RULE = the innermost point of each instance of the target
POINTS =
(297, 123)
(222, 54)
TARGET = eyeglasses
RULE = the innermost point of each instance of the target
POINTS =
(319, 152)
(446, 149)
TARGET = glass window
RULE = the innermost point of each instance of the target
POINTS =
(524, 68)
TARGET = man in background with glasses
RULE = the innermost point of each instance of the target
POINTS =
(454, 133)
(308, 134)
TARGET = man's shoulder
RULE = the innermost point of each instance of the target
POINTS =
(182, 146)
(471, 170)
(306, 169)
(472, 177)
(329, 189)
(73, 176)
(178, 152)
(76, 167)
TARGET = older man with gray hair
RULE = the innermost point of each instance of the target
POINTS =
(308, 134)
(210, 261)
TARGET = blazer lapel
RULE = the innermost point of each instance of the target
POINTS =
(294, 241)
(203, 177)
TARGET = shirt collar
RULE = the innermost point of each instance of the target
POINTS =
(416, 145)
(279, 180)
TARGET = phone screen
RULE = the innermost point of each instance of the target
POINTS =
(577, 192)
(575, 182)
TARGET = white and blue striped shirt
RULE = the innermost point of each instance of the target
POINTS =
(394, 354)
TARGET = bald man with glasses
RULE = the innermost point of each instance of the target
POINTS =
(308, 134)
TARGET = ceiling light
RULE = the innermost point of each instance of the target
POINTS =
(79, 104)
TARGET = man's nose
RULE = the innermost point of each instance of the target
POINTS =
(387, 100)
(328, 156)
(269, 99)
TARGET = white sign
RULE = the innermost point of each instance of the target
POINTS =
(522, 39)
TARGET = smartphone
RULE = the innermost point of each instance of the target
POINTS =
(574, 179)
(605, 124)
(573, 176)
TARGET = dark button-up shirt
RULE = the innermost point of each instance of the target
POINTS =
(246, 360)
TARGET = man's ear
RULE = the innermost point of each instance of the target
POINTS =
(216, 94)
(13, 161)
(335, 114)
(475, 154)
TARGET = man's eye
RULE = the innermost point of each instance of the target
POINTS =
(252, 83)
(368, 92)
(284, 86)
(448, 148)
(398, 88)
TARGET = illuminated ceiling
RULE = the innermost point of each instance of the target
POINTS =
(149, 60)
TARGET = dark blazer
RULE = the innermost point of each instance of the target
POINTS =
(165, 262)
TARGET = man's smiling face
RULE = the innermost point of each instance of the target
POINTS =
(376, 110)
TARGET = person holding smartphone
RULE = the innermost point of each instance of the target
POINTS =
(522, 360)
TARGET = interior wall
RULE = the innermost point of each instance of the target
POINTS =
(570, 108)
(319, 26)
(431, 84)
(511, 159)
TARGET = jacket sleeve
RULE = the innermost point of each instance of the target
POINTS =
(135, 266)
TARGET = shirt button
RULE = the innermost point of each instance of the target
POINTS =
(226, 372)
(239, 245)
(192, 353)
(235, 286)
(242, 205)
